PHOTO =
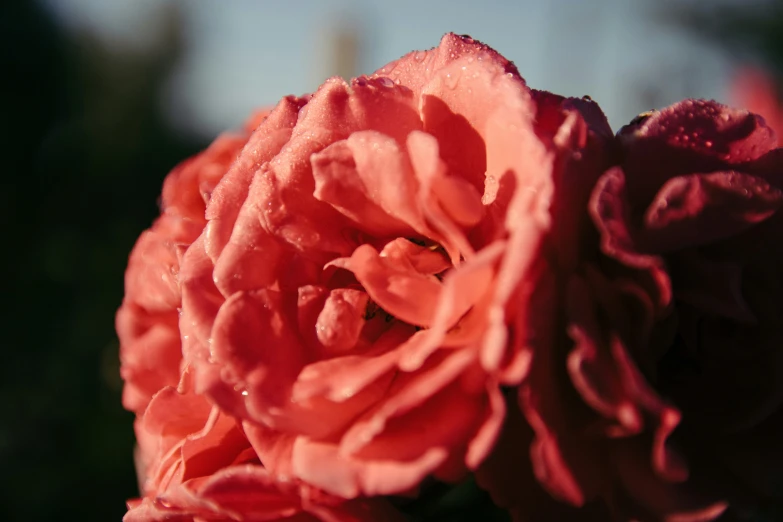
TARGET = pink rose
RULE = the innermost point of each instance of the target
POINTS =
(195, 463)
(147, 322)
(357, 296)
(654, 390)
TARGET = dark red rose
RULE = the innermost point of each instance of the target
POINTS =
(657, 369)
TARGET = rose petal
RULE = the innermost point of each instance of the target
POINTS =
(414, 390)
(697, 209)
(483, 442)
(690, 136)
(252, 257)
(342, 318)
(564, 463)
(609, 208)
(239, 491)
(416, 69)
(422, 259)
(430, 171)
(401, 291)
(289, 210)
(227, 198)
(252, 340)
(712, 286)
(342, 377)
(368, 179)
(460, 200)
(321, 464)
(188, 188)
(201, 301)
(150, 354)
(462, 289)
(672, 503)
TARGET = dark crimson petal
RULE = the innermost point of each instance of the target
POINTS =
(643, 494)
(713, 286)
(610, 208)
(566, 464)
(690, 136)
(697, 209)
(507, 475)
(552, 110)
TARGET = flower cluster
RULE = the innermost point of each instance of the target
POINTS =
(435, 271)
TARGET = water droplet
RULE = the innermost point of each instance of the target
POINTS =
(302, 236)
(361, 81)
(708, 144)
(385, 82)
(452, 79)
(418, 57)
(245, 393)
(587, 98)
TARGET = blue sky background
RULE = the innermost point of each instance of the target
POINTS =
(243, 54)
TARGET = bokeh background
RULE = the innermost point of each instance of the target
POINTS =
(101, 98)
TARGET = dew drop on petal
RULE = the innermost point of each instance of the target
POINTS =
(385, 82)
(452, 79)
(300, 235)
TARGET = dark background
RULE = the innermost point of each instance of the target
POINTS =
(83, 152)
